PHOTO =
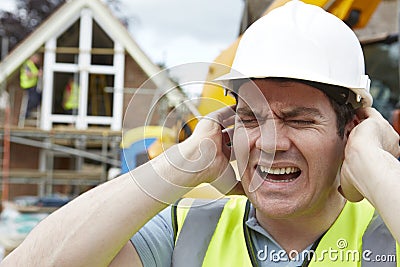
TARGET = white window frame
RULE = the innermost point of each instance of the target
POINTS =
(84, 69)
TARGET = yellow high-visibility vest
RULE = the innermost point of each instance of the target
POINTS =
(26, 81)
(72, 100)
(216, 234)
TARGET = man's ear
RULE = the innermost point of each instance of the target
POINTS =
(350, 126)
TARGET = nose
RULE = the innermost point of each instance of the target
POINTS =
(273, 137)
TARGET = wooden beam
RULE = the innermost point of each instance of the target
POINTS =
(76, 50)
(56, 174)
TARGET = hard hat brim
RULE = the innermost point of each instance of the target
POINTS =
(365, 98)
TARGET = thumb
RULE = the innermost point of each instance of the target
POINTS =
(347, 189)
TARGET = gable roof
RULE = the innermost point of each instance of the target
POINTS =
(68, 13)
(53, 25)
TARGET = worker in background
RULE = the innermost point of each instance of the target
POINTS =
(30, 74)
(306, 142)
(71, 97)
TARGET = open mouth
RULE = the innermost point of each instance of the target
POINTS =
(279, 175)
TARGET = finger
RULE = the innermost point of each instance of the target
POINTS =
(386, 135)
(397, 154)
(346, 189)
(368, 112)
(395, 148)
(217, 118)
(350, 193)
(223, 113)
(229, 121)
(362, 113)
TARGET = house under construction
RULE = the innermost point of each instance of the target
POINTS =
(59, 152)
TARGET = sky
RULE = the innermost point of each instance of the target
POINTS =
(8, 5)
(174, 32)
(177, 32)
(180, 31)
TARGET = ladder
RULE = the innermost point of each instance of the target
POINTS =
(22, 120)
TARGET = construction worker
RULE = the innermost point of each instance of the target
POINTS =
(304, 135)
(71, 97)
(30, 73)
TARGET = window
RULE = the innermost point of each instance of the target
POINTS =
(100, 101)
(61, 82)
(68, 45)
(102, 47)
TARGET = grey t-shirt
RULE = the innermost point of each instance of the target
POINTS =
(155, 243)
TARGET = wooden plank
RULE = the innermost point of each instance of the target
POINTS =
(63, 130)
(93, 51)
(93, 174)
(66, 129)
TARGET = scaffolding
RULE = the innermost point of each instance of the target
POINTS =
(98, 145)
(5, 144)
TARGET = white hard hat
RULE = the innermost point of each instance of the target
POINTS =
(302, 41)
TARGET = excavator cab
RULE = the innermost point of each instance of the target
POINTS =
(355, 13)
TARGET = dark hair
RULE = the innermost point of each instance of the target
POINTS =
(344, 114)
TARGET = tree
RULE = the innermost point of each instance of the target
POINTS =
(29, 14)
(11, 28)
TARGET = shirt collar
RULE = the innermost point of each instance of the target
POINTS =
(253, 224)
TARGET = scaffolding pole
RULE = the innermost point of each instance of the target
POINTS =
(6, 153)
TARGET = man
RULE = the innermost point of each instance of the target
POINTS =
(295, 125)
(71, 97)
(29, 75)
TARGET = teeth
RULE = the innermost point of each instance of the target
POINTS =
(263, 169)
(280, 181)
(286, 170)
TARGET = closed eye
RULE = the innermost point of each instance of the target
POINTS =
(301, 122)
(246, 117)
(248, 122)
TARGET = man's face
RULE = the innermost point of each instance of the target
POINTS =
(294, 140)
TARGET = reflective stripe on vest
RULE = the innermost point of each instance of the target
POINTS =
(25, 81)
(355, 231)
(196, 220)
